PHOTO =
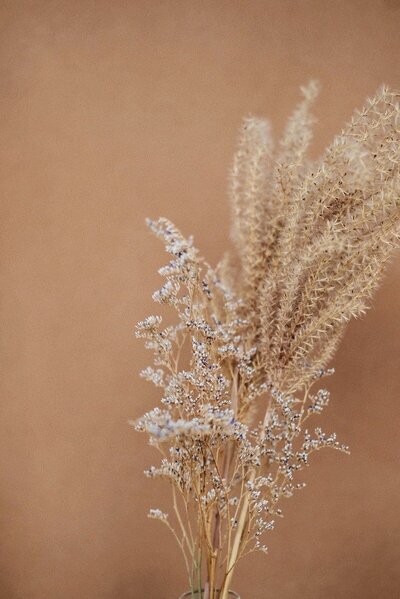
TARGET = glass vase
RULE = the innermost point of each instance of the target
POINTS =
(197, 595)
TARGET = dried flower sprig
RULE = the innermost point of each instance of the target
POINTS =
(312, 241)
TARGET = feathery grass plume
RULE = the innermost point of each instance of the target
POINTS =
(311, 243)
(250, 183)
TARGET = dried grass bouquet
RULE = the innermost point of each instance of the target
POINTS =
(254, 335)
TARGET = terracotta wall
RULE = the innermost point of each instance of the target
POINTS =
(111, 111)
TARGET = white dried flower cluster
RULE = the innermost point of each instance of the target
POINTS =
(157, 514)
(253, 336)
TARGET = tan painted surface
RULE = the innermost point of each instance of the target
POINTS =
(111, 111)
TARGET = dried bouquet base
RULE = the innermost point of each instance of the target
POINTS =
(199, 595)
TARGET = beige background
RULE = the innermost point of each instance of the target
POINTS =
(111, 111)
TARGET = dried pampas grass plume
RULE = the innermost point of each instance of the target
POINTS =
(313, 239)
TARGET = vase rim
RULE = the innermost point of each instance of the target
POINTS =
(195, 594)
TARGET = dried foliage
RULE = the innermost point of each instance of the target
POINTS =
(257, 332)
